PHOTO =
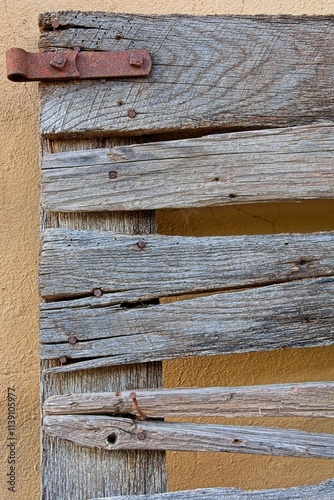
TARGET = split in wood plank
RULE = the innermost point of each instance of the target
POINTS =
(267, 71)
(242, 167)
(111, 433)
(295, 314)
(309, 399)
(322, 491)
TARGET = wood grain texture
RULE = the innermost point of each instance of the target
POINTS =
(284, 400)
(111, 433)
(296, 314)
(322, 491)
(277, 72)
(245, 167)
(75, 263)
(211, 72)
(69, 471)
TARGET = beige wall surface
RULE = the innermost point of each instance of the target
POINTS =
(19, 248)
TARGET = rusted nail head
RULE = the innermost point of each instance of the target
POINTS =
(136, 60)
(97, 292)
(113, 174)
(62, 360)
(58, 62)
(132, 113)
(141, 244)
(72, 340)
(141, 436)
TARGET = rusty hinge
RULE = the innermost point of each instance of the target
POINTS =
(25, 66)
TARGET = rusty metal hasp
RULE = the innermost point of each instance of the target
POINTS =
(74, 64)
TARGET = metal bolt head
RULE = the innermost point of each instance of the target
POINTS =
(58, 61)
(141, 244)
(97, 292)
(136, 60)
(141, 436)
(62, 360)
(113, 174)
(132, 113)
(72, 340)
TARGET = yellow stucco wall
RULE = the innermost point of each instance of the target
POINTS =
(19, 247)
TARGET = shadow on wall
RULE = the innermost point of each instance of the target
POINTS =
(300, 217)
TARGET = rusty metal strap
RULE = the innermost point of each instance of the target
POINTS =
(25, 66)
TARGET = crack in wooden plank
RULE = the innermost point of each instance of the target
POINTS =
(148, 301)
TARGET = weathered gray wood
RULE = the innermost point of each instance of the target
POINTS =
(75, 263)
(322, 491)
(75, 472)
(284, 400)
(296, 314)
(243, 167)
(208, 72)
(69, 471)
(111, 433)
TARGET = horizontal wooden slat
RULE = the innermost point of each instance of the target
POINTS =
(111, 433)
(243, 167)
(208, 73)
(322, 491)
(285, 400)
(296, 314)
(74, 263)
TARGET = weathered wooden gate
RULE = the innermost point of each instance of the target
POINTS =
(248, 104)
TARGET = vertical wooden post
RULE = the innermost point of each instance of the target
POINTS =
(69, 471)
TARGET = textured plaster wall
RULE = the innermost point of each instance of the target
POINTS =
(19, 247)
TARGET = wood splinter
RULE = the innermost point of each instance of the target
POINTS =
(141, 415)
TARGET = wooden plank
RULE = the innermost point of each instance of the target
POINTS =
(296, 314)
(322, 491)
(111, 433)
(245, 167)
(75, 263)
(69, 471)
(285, 400)
(211, 72)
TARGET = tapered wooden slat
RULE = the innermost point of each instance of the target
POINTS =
(111, 433)
(322, 491)
(208, 73)
(75, 263)
(243, 167)
(296, 314)
(285, 400)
